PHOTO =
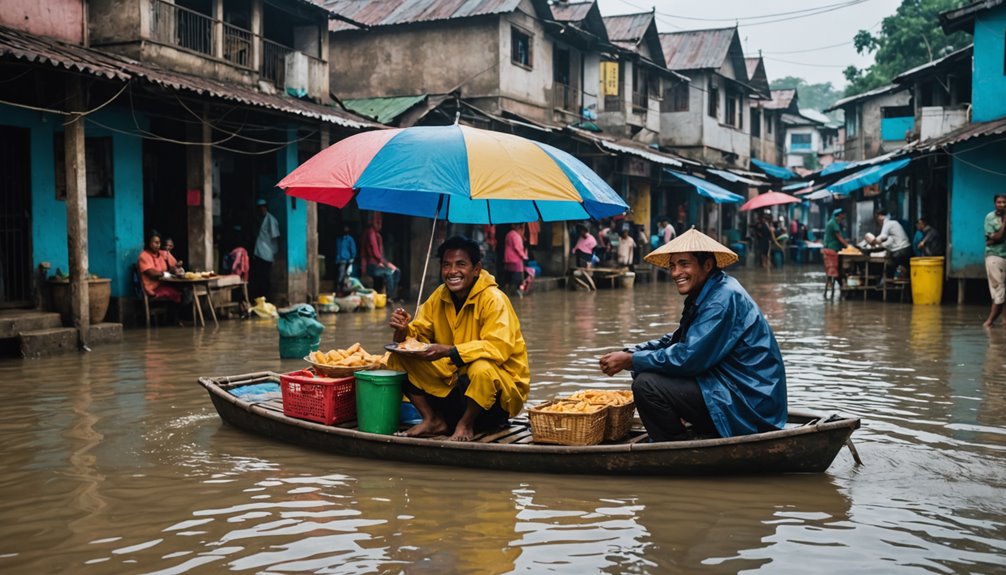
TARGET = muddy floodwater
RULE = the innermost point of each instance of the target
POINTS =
(115, 461)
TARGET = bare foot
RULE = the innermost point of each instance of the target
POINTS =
(432, 427)
(462, 433)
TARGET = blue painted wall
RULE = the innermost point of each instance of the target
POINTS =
(971, 197)
(894, 129)
(114, 224)
(293, 211)
(989, 79)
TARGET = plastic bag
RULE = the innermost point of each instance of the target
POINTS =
(263, 308)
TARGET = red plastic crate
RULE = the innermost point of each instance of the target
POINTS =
(323, 399)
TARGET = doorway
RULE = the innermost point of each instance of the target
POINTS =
(15, 218)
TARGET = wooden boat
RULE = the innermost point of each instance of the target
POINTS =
(808, 444)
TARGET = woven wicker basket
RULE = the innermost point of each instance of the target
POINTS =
(339, 370)
(567, 428)
(619, 421)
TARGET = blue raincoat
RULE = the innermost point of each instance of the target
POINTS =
(730, 350)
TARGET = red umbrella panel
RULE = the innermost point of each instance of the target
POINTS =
(769, 199)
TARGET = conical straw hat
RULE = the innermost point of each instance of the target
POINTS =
(692, 241)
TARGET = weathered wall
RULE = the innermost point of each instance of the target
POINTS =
(433, 58)
(113, 21)
(523, 85)
(989, 91)
(62, 19)
(971, 197)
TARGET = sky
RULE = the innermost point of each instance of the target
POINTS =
(792, 38)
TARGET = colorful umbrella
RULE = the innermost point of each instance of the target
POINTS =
(768, 199)
(454, 173)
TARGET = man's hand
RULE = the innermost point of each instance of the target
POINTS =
(399, 322)
(616, 361)
(434, 352)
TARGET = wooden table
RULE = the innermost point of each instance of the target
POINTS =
(200, 286)
(229, 282)
(586, 276)
(872, 270)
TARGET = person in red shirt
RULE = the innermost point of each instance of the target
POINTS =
(373, 262)
(153, 265)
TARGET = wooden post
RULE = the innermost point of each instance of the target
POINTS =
(256, 30)
(313, 278)
(76, 212)
(218, 29)
(199, 177)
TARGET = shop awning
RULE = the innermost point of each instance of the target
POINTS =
(773, 170)
(732, 177)
(866, 176)
(709, 189)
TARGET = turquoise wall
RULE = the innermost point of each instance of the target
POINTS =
(293, 219)
(989, 80)
(971, 197)
(894, 129)
(114, 225)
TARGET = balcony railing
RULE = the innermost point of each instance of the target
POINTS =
(179, 26)
(274, 62)
(640, 102)
(238, 45)
(565, 97)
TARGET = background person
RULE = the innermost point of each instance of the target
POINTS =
(475, 374)
(266, 248)
(373, 262)
(584, 248)
(995, 258)
(930, 241)
(345, 255)
(152, 266)
(832, 242)
(626, 249)
(721, 370)
(894, 239)
(174, 266)
(514, 256)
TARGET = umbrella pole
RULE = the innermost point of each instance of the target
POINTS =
(426, 265)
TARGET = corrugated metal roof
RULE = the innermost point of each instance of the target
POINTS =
(977, 130)
(781, 99)
(954, 58)
(31, 48)
(752, 65)
(866, 95)
(571, 11)
(395, 12)
(628, 28)
(383, 110)
(697, 49)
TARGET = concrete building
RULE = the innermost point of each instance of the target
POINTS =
(876, 122)
(175, 123)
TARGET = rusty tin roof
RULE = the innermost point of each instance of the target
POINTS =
(697, 49)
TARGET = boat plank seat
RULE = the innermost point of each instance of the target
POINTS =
(516, 438)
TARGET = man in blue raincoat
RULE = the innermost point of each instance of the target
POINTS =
(721, 371)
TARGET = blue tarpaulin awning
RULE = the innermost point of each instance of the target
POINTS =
(866, 176)
(836, 167)
(709, 189)
(774, 171)
(798, 186)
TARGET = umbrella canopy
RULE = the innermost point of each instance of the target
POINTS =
(692, 241)
(768, 199)
(455, 173)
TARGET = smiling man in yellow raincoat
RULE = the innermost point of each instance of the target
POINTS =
(474, 374)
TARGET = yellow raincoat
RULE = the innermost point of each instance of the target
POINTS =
(486, 333)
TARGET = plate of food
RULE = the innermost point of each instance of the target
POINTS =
(411, 345)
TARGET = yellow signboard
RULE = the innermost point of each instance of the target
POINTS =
(609, 78)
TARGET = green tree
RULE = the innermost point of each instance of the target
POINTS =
(811, 96)
(910, 37)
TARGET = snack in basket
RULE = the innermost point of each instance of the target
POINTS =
(412, 344)
(603, 397)
(572, 407)
(352, 356)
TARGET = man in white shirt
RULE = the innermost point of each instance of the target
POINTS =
(266, 247)
(892, 237)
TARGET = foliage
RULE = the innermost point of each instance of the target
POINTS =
(811, 96)
(910, 37)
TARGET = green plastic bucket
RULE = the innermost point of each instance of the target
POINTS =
(379, 400)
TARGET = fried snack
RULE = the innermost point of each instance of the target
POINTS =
(353, 356)
(572, 407)
(603, 397)
(412, 344)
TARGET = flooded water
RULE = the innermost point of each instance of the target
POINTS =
(115, 461)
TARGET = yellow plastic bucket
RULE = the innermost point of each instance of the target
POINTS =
(927, 280)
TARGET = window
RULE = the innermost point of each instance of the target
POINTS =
(97, 163)
(560, 66)
(799, 142)
(731, 112)
(769, 120)
(520, 47)
(640, 88)
(755, 123)
(679, 97)
(714, 100)
(851, 123)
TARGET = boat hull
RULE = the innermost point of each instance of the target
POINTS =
(808, 448)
